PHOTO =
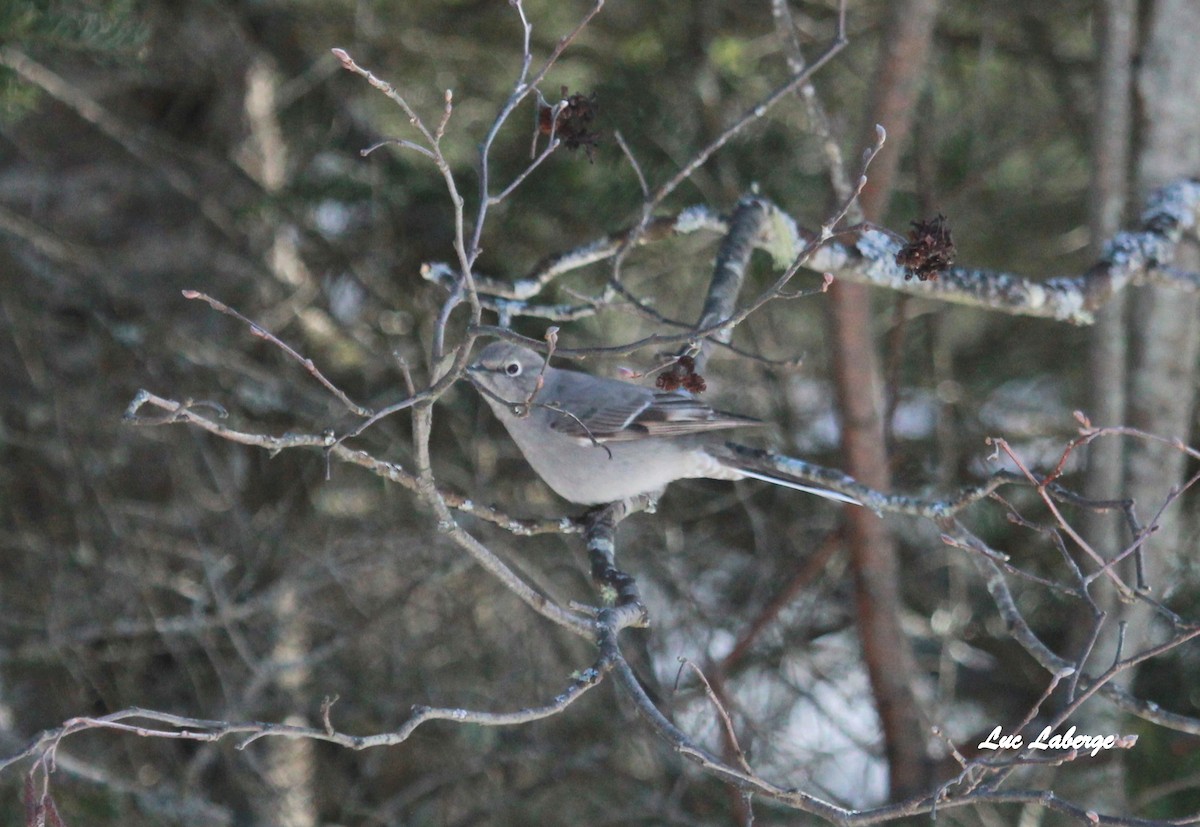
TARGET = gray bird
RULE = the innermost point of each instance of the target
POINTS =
(595, 440)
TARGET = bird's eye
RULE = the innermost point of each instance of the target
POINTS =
(513, 368)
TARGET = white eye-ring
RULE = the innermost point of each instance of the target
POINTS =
(513, 368)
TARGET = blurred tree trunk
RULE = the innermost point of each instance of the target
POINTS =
(886, 651)
(1107, 346)
(1163, 328)
(1108, 353)
(289, 765)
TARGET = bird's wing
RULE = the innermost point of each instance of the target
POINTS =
(633, 413)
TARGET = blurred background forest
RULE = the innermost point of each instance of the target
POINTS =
(147, 147)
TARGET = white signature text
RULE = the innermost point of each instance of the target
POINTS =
(1068, 740)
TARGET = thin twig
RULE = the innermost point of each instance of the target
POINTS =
(633, 163)
(726, 721)
(266, 335)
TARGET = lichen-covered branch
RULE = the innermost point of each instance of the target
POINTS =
(867, 255)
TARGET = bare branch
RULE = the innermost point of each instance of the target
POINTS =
(637, 168)
(183, 728)
(263, 333)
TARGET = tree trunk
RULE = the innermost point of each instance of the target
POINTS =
(886, 650)
(1163, 330)
(1108, 355)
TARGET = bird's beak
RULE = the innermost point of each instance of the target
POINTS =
(475, 373)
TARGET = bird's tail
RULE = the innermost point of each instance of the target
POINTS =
(788, 472)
